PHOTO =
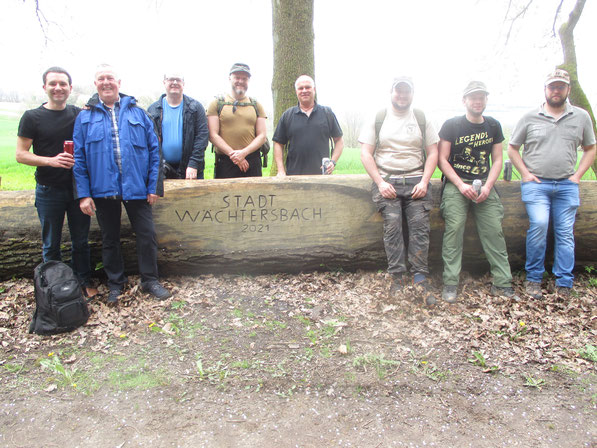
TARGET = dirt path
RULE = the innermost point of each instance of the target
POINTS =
(314, 360)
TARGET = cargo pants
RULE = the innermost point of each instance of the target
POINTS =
(416, 212)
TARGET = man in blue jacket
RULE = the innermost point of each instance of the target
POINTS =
(117, 162)
(181, 125)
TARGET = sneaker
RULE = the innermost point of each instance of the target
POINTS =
(505, 291)
(563, 291)
(113, 296)
(157, 290)
(450, 293)
(533, 289)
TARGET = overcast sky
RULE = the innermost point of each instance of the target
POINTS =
(359, 47)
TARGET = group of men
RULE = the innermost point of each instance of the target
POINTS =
(400, 149)
(122, 153)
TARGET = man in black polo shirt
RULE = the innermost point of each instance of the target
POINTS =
(307, 129)
(46, 128)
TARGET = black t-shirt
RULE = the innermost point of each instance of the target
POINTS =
(307, 137)
(471, 145)
(49, 129)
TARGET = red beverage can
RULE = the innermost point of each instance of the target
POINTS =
(69, 147)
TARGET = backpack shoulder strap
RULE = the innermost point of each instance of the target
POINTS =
(379, 119)
(422, 122)
(221, 103)
(253, 102)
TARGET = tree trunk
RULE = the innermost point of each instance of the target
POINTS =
(577, 95)
(259, 225)
(293, 52)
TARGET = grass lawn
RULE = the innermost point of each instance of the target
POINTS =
(16, 176)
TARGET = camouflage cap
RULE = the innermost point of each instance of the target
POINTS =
(558, 75)
(240, 67)
(475, 86)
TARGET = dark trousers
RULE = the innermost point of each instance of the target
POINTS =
(108, 213)
(416, 212)
(52, 204)
(226, 169)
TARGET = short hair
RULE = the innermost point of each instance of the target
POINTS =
(303, 78)
(56, 69)
(104, 68)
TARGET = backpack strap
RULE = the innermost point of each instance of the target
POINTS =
(379, 119)
(422, 122)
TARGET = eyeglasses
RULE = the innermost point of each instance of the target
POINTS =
(557, 86)
(234, 105)
(173, 80)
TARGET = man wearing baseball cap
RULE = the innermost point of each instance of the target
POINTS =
(399, 152)
(470, 149)
(237, 128)
(551, 136)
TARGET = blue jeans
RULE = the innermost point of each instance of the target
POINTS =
(558, 200)
(52, 203)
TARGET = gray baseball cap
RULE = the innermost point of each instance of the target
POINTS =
(475, 86)
(240, 67)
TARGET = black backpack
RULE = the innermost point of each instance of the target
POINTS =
(60, 305)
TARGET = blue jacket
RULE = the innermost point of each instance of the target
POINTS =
(96, 172)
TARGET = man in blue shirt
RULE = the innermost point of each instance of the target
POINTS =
(182, 129)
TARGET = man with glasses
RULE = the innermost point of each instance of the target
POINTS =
(551, 136)
(181, 126)
(237, 128)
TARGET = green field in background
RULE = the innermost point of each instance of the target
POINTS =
(16, 176)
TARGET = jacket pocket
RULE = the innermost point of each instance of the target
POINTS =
(137, 134)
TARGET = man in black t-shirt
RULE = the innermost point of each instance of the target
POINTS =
(307, 129)
(466, 145)
(46, 129)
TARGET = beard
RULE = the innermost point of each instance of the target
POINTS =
(556, 104)
(401, 107)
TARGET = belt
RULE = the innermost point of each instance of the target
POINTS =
(396, 179)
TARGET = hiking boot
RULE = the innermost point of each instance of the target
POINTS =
(533, 289)
(157, 290)
(450, 293)
(424, 289)
(113, 296)
(563, 291)
(398, 283)
(505, 291)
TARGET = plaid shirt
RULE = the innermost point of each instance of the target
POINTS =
(115, 138)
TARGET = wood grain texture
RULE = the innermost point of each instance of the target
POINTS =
(291, 224)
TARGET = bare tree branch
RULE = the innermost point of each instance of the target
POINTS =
(41, 19)
(555, 18)
(520, 15)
